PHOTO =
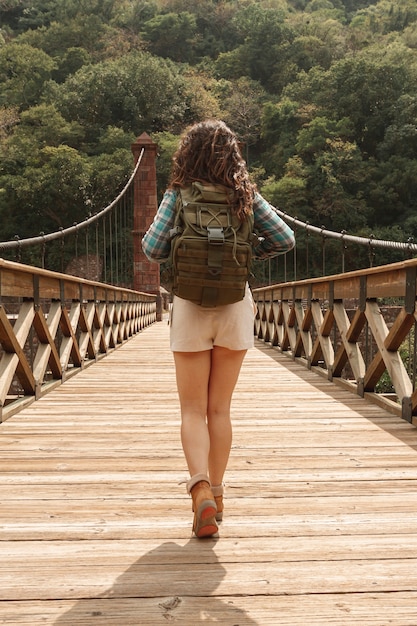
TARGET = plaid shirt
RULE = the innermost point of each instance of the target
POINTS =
(275, 236)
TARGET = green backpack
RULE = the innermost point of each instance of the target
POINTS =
(211, 248)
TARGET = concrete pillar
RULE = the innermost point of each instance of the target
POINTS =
(145, 204)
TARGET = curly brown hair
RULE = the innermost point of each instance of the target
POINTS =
(209, 153)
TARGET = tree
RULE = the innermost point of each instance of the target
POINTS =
(23, 73)
(44, 126)
(132, 14)
(9, 117)
(335, 173)
(171, 35)
(216, 29)
(364, 89)
(352, 6)
(386, 16)
(242, 102)
(11, 12)
(84, 33)
(392, 190)
(50, 192)
(46, 184)
(108, 174)
(280, 125)
(323, 92)
(167, 144)
(401, 136)
(137, 93)
(289, 193)
(263, 55)
(30, 15)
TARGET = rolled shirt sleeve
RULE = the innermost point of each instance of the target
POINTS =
(275, 236)
(156, 243)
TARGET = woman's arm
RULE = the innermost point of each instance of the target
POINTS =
(156, 242)
(276, 237)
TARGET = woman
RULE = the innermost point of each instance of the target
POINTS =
(209, 344)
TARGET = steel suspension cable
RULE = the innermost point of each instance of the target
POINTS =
(18, 243)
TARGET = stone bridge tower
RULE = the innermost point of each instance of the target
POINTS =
(145, 273)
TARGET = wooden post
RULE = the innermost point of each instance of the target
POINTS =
(145, 273)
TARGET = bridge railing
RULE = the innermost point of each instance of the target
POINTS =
(53, 325)
(320, 252)
(357, 328)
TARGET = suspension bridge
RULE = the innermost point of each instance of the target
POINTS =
(321, 504)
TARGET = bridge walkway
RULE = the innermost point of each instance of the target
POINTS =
(321, 508)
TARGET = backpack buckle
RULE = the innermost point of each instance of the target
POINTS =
(215, 235)
(177, 230)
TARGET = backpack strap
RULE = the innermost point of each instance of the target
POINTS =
(215, 237)
(209, 296)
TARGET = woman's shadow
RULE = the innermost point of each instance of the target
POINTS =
(170, 584)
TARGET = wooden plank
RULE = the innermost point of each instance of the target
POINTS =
(378, 609)
(47, 353)
(304, 343)
(392, 360)
(69, 345)
(13, 338)
(148, 580)
(323, 326)
(99, 552)
(399, 330)
(349, 333)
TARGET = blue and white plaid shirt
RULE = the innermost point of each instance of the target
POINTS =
(276, 237)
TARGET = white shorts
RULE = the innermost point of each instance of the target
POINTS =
(194, 328)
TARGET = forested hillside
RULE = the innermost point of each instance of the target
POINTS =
(322, 92)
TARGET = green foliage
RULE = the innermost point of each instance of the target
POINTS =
(132, 14)
(242, 101)
(263, 55)
(289, 193)
(26, 14)
(322, 93)
(24, 70)
(171, 35)
(47, 181)
(387, 16)
(56, 40)
(50, 192)
(44, 126)
(138, 92)
(167, 144)
(107, 170)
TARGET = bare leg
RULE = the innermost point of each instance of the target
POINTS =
(205, 382)
(193, 374)
(224, 373)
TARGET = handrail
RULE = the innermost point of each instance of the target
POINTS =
(356, 328)
(53, 325)
(343, 236)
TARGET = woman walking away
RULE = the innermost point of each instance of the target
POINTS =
(209, 342)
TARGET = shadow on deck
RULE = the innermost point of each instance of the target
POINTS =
(321, 506)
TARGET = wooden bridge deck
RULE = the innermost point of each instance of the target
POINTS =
(320, 525)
